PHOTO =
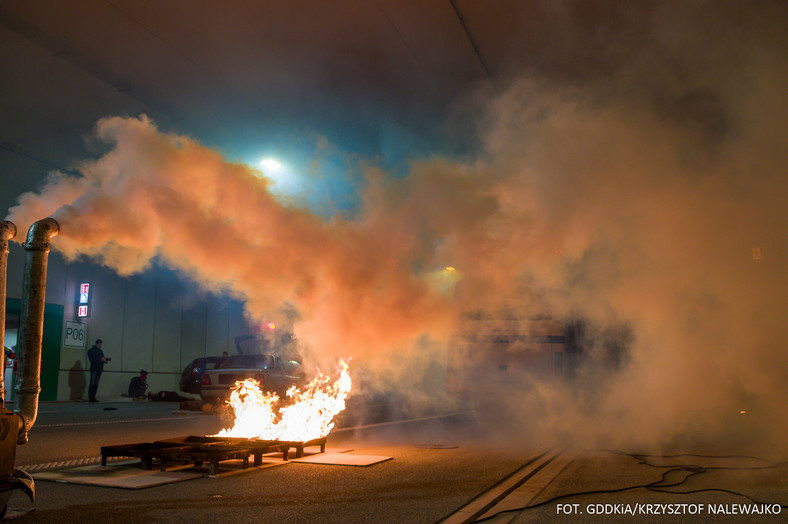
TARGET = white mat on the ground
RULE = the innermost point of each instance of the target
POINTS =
(126, 475)
(129, 474)
(342, 459)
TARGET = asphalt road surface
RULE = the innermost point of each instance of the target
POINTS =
(442, 468)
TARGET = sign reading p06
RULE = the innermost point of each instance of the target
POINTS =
(75, 335)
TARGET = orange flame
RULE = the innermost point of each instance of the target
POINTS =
(308, 414)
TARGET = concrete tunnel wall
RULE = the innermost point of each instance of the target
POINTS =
(156, 321)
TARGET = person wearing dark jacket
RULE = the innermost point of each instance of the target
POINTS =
(139, 385)
(97, 361)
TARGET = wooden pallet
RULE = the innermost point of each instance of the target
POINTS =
(211, 450)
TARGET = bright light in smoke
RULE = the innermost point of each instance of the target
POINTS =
(285, 177)
(270, 164)
(305, 415)
(271, 326)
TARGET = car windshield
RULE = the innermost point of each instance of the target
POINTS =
(249, 361)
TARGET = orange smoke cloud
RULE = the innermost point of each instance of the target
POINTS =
(167, 196)
(623, 215)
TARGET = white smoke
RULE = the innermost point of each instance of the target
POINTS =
(660, 210)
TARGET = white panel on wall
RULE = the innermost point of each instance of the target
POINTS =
(56, 277)
(139, 322)
(193, 331)
(237, 325)
(106, 315)
(167, 325)
(73, 378)
(217, 327)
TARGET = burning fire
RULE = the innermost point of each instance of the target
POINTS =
(308, 414)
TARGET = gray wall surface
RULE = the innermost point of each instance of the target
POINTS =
(157, 321)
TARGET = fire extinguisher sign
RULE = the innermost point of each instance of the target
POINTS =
(76, 334)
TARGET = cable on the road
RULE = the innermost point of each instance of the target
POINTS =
(643, 459)
(660, 486)
(120, 421)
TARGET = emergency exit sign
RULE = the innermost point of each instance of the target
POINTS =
(83, 300)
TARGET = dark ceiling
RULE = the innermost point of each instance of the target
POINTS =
(384, 78)
(232, 74)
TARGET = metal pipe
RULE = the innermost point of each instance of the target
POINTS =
(31, 322)
(7, 232)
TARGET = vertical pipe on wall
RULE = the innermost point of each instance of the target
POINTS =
(31, 328)
(7, 232)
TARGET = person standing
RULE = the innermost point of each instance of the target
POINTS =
(97, 361)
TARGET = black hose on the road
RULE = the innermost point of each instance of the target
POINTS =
(660, 485)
